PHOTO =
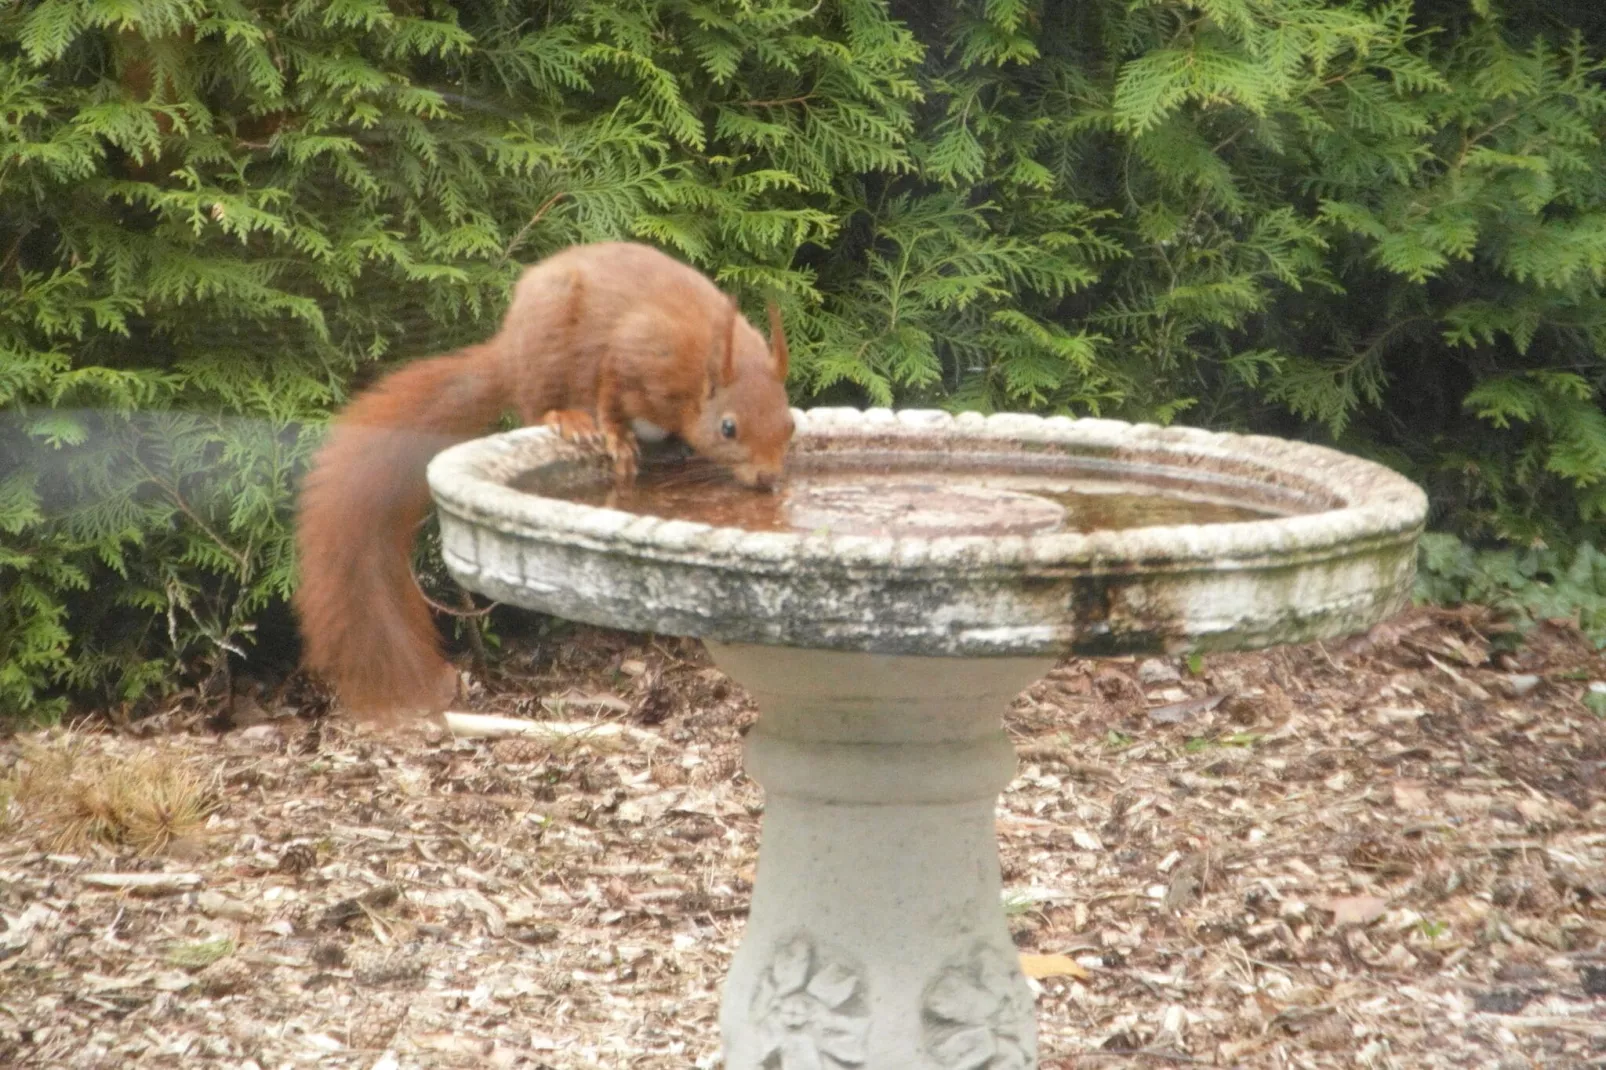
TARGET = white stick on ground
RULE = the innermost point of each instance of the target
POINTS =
(491, 726)
(144, 883)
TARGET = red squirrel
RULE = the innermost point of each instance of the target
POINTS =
(599, 342)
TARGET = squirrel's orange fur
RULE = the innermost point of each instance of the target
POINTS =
(595, 339)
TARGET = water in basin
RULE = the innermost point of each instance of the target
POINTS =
(911, 501)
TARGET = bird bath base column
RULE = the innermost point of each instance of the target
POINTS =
(877, 936)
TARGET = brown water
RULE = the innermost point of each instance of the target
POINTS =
(864, 501)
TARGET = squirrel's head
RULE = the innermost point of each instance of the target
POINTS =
(746, 418)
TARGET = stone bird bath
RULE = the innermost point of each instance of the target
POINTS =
(915, 573)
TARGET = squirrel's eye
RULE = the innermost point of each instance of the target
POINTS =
(727, 427)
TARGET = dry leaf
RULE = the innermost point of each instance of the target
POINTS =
(1467, 804)
(452, 1043)
(1086, 840)
(1177, 712)
(1357, 909)
(1041, 966)
(1185, 883)
(1411, 795)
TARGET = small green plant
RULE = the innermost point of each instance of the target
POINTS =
(1117, 741)
(1197, 744)
(198, 956)
(1018, 902)
(1433, 931)
(8, 793)
(1524, 585)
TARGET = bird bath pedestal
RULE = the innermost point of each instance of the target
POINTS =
(916, 572)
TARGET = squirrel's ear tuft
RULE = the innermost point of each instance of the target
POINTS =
(722, 349)
(778, 349)
(729, 370)
(722, 361)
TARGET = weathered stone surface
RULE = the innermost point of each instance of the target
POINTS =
(1343, 563)
(876, 936)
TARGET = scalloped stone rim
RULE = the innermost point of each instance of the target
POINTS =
(1335, 569)
(472, 477)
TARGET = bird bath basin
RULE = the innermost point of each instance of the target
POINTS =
(915, 572)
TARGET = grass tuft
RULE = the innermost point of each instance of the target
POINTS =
(73, 794)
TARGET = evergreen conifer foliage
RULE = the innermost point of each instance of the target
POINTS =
(1381, 225)
(217, 211)
(1331, 219)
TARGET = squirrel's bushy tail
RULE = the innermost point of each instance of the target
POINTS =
(364, 624)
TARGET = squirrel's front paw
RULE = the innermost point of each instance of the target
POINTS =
(622, 449)
(575, 425)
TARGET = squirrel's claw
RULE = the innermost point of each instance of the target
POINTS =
(622, 450)
(574, 425)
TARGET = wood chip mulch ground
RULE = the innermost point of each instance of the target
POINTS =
(1385, 852)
